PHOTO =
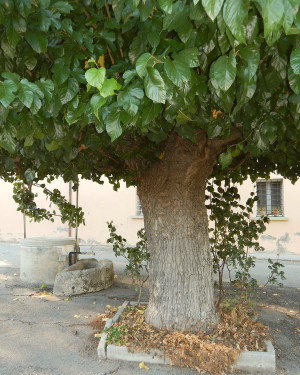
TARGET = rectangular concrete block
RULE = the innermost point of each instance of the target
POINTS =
(122, 353)
(258, 362)
(108, 324)
(120, 311)
(102, 346)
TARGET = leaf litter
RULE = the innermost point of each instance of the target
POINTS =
(213, 351)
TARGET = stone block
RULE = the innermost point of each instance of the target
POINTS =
(85, 276)
(258, 362)
(122, 353)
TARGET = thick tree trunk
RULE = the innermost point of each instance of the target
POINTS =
(172, 194)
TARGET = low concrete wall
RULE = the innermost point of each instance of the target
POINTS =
(43, 258)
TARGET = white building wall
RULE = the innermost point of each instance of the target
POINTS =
(101, 204)
(283, 233)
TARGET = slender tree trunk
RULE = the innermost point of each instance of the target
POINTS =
(172, 194)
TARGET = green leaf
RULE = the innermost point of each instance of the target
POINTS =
(47, 87)
(12, 35)
(118, 6)
(295, 60)
(146, 7)
(97, 101)
(252, 28)
(37, 41)
(154, 86)
(109, 86)
(166, 5)
(130, 100)
(223, 72)
(142, 63)
(99, 126)
(29, 175)
(288, 16)
(151, 112)
(73, 116)
(113, 125)
(28, 141)
(235, 14)
(190, 57)
(8, 143)
(214, 130)
(272, 12)
(134, 4)
(26, 93)
(225, 159)
(128, 76)
(7, 48)
(52, 146)
(23, 7)
(95, 77)
(19, 24)
(184, 29)
(45, 19)
(212, 7)
(36, 104)
(297, 19)
(61, 72)
(177, 72)
(294, 80)
(12, 77)
(62, 7)
(173, 20)
(7, 88)
(30, 61)
(252, 56)
(68, 91)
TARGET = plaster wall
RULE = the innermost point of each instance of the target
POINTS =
(101, 204)
(283, 233)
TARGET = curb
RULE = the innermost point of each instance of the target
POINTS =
(258, 362)
(253, 362)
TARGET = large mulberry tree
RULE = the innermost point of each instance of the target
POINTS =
(162, 94)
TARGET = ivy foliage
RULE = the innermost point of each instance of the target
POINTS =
(94, 88)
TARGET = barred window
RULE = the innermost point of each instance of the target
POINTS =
(139, 210)
(270, 197)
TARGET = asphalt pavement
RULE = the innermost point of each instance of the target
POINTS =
(52, 337)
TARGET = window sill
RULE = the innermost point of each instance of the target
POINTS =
(272, 218)
(137, 217)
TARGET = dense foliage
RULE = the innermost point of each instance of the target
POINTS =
(152, 68)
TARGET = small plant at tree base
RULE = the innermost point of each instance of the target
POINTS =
(275, 272)
(233, 234)
(116, 335)
(137, 256)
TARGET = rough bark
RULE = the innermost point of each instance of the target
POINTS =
(172, 194)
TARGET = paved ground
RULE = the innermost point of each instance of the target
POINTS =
(40, 337)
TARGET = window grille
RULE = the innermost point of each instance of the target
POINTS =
(139, 210)
(270, 197)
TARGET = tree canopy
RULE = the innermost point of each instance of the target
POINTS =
(159, 93)
(96, 87)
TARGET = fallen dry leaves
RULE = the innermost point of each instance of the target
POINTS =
(212, 351)
(99, 322)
